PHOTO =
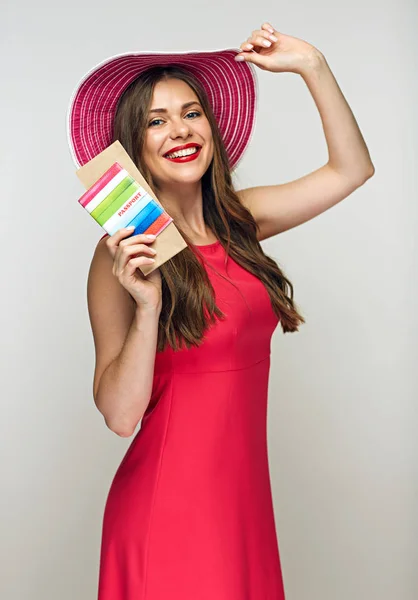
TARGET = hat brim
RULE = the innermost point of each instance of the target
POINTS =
(231, 87)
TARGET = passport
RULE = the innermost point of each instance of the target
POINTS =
(116, 201)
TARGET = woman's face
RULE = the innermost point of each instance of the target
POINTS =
(176, 119)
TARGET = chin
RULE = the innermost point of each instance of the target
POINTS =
(190, 177)
(185, 175)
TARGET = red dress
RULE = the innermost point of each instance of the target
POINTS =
(189, 515)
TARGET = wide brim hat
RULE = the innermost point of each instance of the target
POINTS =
(231, 87)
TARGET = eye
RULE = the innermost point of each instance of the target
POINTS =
(156, 121)
(193, 112)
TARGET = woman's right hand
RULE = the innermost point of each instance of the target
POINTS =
(128, 254)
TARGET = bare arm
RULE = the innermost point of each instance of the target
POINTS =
(280, 207)
(125, 386)
(125, 337)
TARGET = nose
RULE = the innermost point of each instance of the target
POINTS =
(180, 128)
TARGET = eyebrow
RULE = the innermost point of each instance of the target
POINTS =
(164, 110)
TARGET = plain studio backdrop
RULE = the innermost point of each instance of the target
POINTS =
(342, 399)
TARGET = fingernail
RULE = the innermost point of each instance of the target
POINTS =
(249, 46)
(131, 227)
(273, 38)
(150, 236)
(266, 43)
(239, 58)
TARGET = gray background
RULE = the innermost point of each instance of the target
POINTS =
(342, 417)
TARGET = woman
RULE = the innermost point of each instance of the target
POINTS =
(186, 351)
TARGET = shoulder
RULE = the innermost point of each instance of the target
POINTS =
(101, 249)
(106, 235)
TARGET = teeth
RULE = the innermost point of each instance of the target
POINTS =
(185, 152)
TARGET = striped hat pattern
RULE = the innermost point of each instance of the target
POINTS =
(117, 201)
(231, 87)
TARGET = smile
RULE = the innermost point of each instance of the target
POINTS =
(186, 155)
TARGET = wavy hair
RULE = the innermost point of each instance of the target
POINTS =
(188, 298)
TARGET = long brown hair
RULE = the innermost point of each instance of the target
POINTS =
(188, 299)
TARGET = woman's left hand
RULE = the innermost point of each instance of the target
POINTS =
(277, 52)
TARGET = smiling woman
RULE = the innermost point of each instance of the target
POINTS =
(178, 153)
(186, 351)
(197, 192)
(177, 124)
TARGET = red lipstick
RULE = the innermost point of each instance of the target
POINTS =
(183, 159)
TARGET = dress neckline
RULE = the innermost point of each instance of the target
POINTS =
(208, 249)
(212, 245)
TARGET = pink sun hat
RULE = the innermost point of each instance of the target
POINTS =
(231, 87)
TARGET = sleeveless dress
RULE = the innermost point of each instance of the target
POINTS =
(189, 514)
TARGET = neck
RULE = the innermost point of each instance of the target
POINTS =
(184, 203)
